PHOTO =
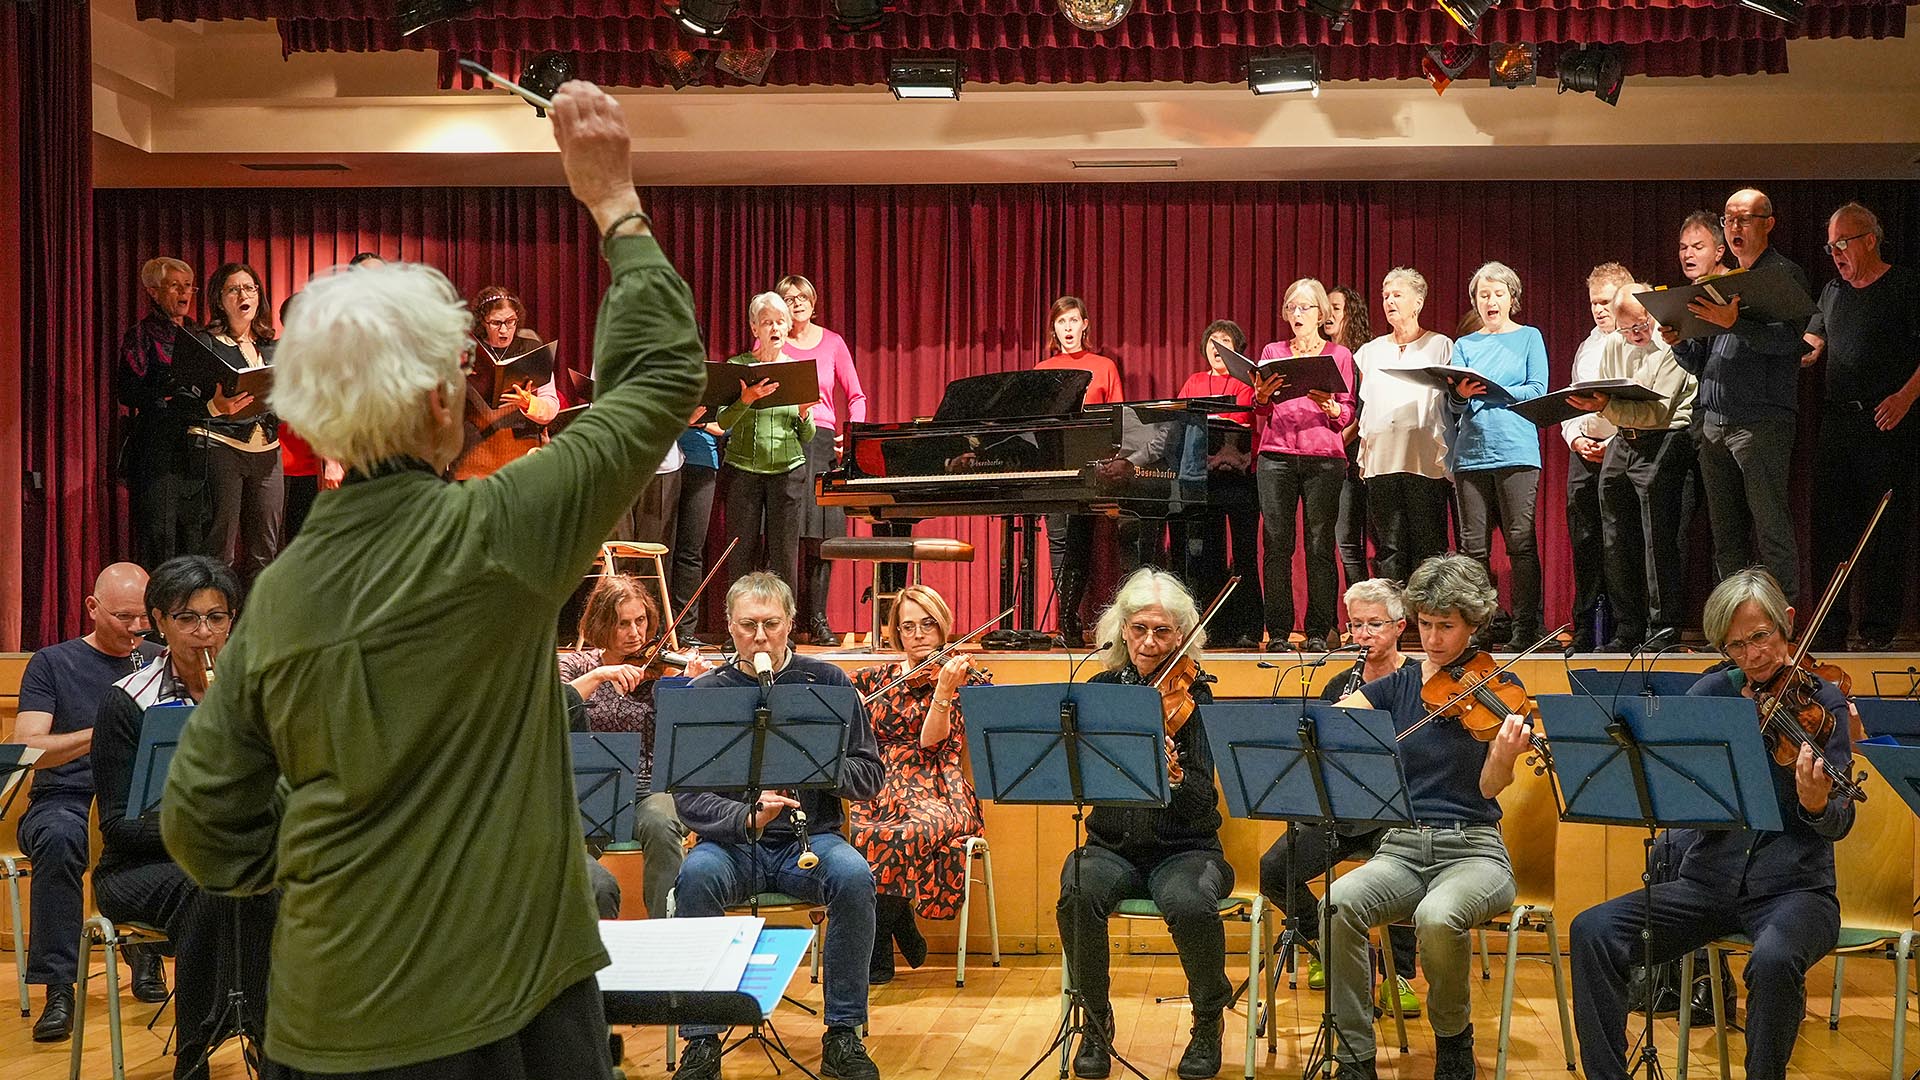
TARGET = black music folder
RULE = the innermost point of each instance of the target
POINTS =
(534, 365)
(1768, 294)
(1449, 376)
(1303, 373)
(195, 364)
(799, 383)
(1552, 407)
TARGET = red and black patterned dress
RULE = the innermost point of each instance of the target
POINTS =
(911, 832)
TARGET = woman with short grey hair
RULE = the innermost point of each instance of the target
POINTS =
(1404, 431)
(1496, 451)
(1448, 872)
(766, 454)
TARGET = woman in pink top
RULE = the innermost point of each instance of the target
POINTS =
(828, 351)
(1070, 536)
(1302, 460)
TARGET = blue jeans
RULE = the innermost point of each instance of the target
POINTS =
(718, 876)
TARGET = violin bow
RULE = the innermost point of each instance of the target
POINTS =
(1489, 677)
(659, 643)
(1219, 601)
(938, 655)
(1839, 581)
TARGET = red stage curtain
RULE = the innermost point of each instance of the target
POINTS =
(929, 283)
(12, 423)
(66, 529)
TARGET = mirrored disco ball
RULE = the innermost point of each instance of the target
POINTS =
(1095, 15)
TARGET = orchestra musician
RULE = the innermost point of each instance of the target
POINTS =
(911, 833)
(1070, 536)
(1496, 451)
(1377, 615)
(1302, 465)
(508, 407)
(617, 626)
(1449, 871)
(746, 849)
(1777, 888)
(1170, 854)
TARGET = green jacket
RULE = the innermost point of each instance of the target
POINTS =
(769, 441)
(395, 665)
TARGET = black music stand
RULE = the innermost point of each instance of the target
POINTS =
(606, 784)
(749, 739)
(1076, 744)
(1898, 717)
(1659, 762)
(1606, 683)
(1310, 764)
(16, 761)
(1897, 684)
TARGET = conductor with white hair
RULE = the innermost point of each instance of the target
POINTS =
(408, 802)
(1170, 855)
(766, 450)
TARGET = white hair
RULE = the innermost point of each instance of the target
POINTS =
(1867, 218)
(1378, 591)
(361, 354)
(1495, 271)
(155, 271)
(1146, 588)
(767, 301)
(1624, 296)
(1414, 280)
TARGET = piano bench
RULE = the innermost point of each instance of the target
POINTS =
(892, 549)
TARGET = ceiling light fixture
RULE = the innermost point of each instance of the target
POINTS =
(704, 18)
(1600, 70)
(1289, 71)
(853, 16)
(1468, 13)
(1336, 12)
(1787, 11)
(935, 79)
(544, 73)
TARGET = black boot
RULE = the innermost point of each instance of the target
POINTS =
(1703, 1003)
(149, 975)
(880, 968)
(56, 1019)
(1453, 1056)
(1094, 1059)
(1202, 1059)
(906, 931)
(1357, 1070)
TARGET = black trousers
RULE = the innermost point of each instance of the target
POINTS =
(1313, 850)
(1856, 464)
(248, 494)
(1070, 547)
(1205, 560)
(53, 833)
(565, 1040)
(692, 522)
(1747, 470)
(1790, 931)
(1642, 482)
(1288, 482)
(763, 511)
(654, 516)
(1352, 528)
(1507, 495)
(1188, 887)
(1585, 536)
(820, 523)
(1409, 517)
(300, 493)
(201, 926)
(167, 486)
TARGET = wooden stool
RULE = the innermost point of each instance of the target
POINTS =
(892, 549)
(654, 572)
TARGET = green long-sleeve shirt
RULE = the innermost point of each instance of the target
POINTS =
(771, 440)
(395, 664)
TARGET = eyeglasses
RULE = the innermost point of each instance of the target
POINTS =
(179, 287)
(1371, 626)
(1741, 221)
(916, 628)
(794, 298)
(1640, 327)
(755, 627)
(502, 324)
(1156, 633)
(1841, 244)
(212, 620)
(241, 290)
(1301, 309)
(1740, 646)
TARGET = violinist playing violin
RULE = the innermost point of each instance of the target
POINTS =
(1168, 854)
(1449, 872)
(912, 832)
(617, 627)
(1776, 888)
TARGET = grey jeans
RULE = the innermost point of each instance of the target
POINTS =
(1747, 470)
(1449, 880)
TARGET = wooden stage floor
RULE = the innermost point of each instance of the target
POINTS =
(924, 1027)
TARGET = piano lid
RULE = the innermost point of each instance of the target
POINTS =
(1008, 395)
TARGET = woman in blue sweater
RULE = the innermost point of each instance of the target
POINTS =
(1496, 451)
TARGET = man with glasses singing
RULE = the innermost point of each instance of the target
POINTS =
(1777, 888)
(1642, 477)
(166, 474)
(1744, 418)
(1868, 329)
(746, 849)
(60, 695)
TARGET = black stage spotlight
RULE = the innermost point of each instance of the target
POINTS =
(544, 73)
(1511, 66)
(1599, 70)
(1289, 71)
(1336, 12)
(1468, 13)
(704, 18)
(416, 15)
(853, 16)
(932, 79)
(1787, 11)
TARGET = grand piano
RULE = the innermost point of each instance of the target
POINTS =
(1015, 445)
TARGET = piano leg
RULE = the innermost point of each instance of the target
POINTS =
(1029, 536)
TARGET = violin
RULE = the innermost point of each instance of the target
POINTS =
(920, 671)
(1481, 693)
(1175, 676)
(1791, 717)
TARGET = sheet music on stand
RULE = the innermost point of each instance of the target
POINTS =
(160, 731)
(724, 970)
(1267, 773)
(605, 784)
(1704, 764)
(16, 761)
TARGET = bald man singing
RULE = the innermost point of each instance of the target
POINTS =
(59, 696)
